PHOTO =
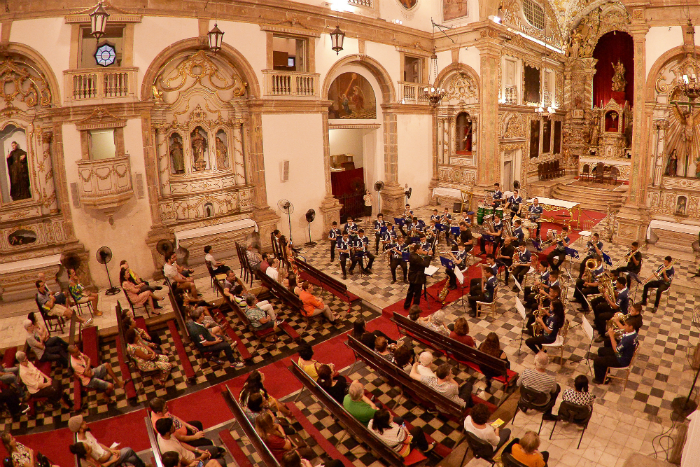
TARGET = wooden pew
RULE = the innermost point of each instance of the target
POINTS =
(260, 447)
(456, 350)
(182, 355)
(280, 291)
(153, 439)
(355, 428)
(337, 288)
(129, 387)
(427, 396)
(90, 340)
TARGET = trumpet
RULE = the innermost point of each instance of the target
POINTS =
(658, 272)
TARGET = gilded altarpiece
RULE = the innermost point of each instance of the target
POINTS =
(457, 130)
(200, 122)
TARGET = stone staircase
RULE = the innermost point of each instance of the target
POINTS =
(596, 199)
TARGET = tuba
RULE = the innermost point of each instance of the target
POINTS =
(606, 287)
(610, 323)
(588, 272)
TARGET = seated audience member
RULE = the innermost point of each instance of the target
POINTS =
(131, 276)
(80, 295)
(477, 423)
(314, 306)
(265, 263)
(307, 363)
(10, 398)
(273, 269)
(253, 257)
(381, 346)
(294, 459)
(21, 455)
(47, 301)
(165, 427)
(255, 407)
(335, 386)
(206, 342)
(98, 452)
(425, 361)
(173, 459)
(46, 349)
(255, 385)
(414, 312)
(191, 432)
(358, 405)
(369, 340)
(525, 451)
(217, 266)
(397, 436)
(143, 338)
(146, 359)
(444, 383)
(136, 297)
(175, 274)
(492, 346)
(261, 318)
(539, 380)
(232, 283)
(93, 377)
(60, 296)
(290, 282)
(436, 322)
(579, 395)
(404, 357)
(40, 385)
(359, 328)
(276, 440)
(460, 332)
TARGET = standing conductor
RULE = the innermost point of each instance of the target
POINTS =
(418, 261)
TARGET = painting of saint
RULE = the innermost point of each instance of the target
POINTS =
(408, 4)
(352, 96)
(681, 206)
(453, 9)
(18, 169)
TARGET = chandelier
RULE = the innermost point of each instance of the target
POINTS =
(689, 86)
(434, 94)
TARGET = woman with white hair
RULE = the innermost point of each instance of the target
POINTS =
(40, 385)
(436, 322)
(424, 361)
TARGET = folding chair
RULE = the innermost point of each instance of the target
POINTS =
(626, 370)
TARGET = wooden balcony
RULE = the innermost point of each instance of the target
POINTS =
(291, 83)
(413, 93)
(100, 85)
(105, 184)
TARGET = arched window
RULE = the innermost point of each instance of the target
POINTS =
(534, 13)
(463, 133)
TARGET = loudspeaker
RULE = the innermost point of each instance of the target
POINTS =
(284, 171)
(457, 208)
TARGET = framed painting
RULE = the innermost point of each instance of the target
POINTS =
(352, 96)
(453, 9)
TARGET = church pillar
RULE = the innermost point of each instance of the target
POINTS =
(48, 187)
(632, 220)
(162, 156)
(238, 154)
(330, 206)
(393, 193)
(436, 155)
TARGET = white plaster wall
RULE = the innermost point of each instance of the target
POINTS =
(127, 237)
(153, 34)
(470, 56)
(388, 57)
(659, 40)
(415, 155)
(418, 17)
(297, 138)
(347, 141)
(53, 43)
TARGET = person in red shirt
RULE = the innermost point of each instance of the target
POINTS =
(276, 440)
(460, 332)
(314, 306)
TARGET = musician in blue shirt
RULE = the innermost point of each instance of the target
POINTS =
(485, 293)
(663, 275)
(550, 324)
(522, 255)
(606, 307)
(435, 216)
(395, 250)
(595, 248)
(588, 285)
(497, 195)
(514, 203)
(378, 225)
(350, 227)
(535, 213)
(489, 264)
(559, 252)
(541, 281)
(427, 244)
(343, 247)
(361, 250)
(518, 232)
(333, 236)
(459, 258)
(496, 234)
(388, 236)
(617, 355)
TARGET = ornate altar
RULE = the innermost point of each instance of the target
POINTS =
(610, 138)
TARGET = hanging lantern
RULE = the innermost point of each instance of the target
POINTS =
(337, 39)
(98, 21)
(216, 37)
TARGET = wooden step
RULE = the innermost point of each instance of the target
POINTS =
(595, 199)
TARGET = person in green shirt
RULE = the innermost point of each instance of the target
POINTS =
(358, 405)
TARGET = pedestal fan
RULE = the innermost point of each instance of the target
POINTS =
(310, 216)
(104, 256)
(287, 208)
(378, 186)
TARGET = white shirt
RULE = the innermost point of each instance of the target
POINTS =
(272, 272)
(170, 271)
(487, 433)
(97, 451)
(424, 370)
(209, 257)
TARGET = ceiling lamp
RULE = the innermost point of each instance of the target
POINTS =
(216, 37)
(98, 21)
(337, 39)
(434, 94)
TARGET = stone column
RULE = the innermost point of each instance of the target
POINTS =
(238, 155)
(436, 155)
(393, 193)
(163, 157)
(330, 206)
(48, 195)
(632, 220)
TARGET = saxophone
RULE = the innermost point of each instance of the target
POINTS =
(442, 296)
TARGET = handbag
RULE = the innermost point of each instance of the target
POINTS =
(42, 460)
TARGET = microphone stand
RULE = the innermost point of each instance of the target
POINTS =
(683, 408)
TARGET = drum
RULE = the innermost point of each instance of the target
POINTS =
(499, 212)
(488, 211)
(480, 215)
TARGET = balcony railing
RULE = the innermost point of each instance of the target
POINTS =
(364, 3)
(105, 184)
(413, 93)
(92, 84)
(291, 83)
(511, 94)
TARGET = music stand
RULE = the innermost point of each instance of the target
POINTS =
(521, 309)
(517, 284)
(360, 255)
(588, 331)
(429, 271)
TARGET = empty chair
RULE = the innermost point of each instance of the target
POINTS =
(573, 413)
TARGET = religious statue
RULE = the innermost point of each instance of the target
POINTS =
(177, 156)
(18, 169)
(681, 206)
(595, 131)
(618, 80)
(672, 164)
(199, 145)
(221, 154)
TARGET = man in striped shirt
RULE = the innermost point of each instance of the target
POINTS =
(539, 380)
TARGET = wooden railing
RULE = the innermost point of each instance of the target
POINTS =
(511, 94)
(364, 3)
(90, 84)
(413, 93)
(105, 184)
(291, 83)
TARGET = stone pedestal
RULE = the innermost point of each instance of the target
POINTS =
(631, 225)
(267, 220)
(433, 184)
(157, 233)
(393, 201)
(330, 209)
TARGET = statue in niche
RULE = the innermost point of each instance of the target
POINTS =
(618, 81)
(18, 169)
(199, 145)
(595, 132)
(672, 164)
(681, 206)
(177, 156)
(221, 153)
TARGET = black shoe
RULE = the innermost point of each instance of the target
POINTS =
(345, 276)
(600, 338)
(158, 287)
(453, 287)
(644, 303)
(597, 381)
(394, 281)
(550, 417)
(156, 305)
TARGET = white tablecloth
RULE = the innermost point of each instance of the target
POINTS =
(673, 227)
(691, 449)
(559, 203)
(447, 192)
(214, 229)
(29, 264)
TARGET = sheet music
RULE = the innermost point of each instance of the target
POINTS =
(517, 284)
(521, 309)
(587, 328)
(459, 275)
(430, 270)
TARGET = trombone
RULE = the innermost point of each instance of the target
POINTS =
(657, 274)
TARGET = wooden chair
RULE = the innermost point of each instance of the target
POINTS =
(585, 172)
(599, 172)
(573, 413)
(481, 449)
(614, 173)
(559, 341)
(626, 369)
(79, 304)
(487, 307)
(134, 308)
(52, 323)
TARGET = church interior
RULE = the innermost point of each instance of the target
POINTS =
(474, 223)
